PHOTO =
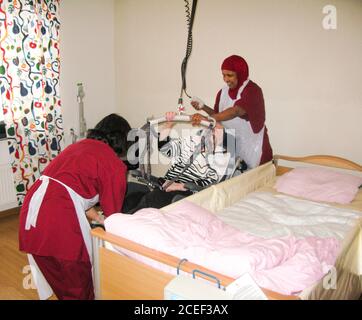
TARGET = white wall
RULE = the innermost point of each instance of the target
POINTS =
(87, 56)
(311, 77)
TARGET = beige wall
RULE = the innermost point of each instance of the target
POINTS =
(311, 77)
(87, 55)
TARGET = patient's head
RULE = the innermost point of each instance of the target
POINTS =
(113, 130)
(214, 138)
(224, 139)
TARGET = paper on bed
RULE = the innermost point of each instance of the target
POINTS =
(245, 288)
(184, 287)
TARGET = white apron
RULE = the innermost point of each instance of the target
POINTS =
(248, 144)
(80, 204)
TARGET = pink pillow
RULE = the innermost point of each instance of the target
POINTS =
(319, 184)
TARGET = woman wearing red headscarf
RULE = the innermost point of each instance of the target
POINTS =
(240, 106)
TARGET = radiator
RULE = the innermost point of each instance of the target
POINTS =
(7, 188)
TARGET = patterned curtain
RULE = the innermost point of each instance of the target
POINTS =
(29, 77)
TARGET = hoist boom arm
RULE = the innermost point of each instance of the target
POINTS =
(183, 118)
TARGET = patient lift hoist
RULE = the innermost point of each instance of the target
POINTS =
(144, 173)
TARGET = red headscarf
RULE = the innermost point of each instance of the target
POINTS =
(239, 65)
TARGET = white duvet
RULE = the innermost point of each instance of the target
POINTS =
(271, 215)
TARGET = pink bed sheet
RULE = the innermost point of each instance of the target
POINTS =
(286, 265)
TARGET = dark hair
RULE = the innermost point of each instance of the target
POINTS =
(113, 130)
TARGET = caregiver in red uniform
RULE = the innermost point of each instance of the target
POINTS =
(54, 229)
(240, 106)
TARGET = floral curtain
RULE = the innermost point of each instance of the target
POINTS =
(29, 78)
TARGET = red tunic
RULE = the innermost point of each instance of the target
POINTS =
(89, 167)
(252, 101)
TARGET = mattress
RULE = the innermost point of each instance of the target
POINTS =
(267, 214)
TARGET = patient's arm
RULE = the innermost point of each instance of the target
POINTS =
(167, 126)
(92, 215)
(173, 186)
(165, 130)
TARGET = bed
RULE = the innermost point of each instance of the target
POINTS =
(137, 273)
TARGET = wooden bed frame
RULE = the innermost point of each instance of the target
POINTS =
(117, 276)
